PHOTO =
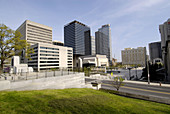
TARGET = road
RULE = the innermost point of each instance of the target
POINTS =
(139, 89)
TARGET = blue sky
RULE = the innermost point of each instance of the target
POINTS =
(134, 23)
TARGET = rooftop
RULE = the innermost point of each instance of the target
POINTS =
(75, 21)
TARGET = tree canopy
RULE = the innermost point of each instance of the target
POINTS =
(11, 44)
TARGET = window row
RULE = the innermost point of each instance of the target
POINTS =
(49, 48)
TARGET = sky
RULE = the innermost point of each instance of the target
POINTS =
(134, 23)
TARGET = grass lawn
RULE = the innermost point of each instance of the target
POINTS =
(80, 101)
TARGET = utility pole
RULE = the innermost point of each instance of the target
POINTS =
(148, 71)
(136, 73)
(129, 72)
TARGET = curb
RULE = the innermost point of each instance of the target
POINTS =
(146, 83)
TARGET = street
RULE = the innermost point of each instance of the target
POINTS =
(138, 89)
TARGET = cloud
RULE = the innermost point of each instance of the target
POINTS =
(132, 7)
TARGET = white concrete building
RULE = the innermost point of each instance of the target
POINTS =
(132, 56)
(47, 56)
(34, 32)
(16, 67)
(93, 60)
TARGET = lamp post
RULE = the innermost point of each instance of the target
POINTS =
(136, 73)
(148, 71)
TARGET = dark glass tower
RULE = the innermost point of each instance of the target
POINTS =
(77, 35)
(103, 42)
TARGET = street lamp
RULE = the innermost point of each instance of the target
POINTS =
(148, 71)
(136, 72)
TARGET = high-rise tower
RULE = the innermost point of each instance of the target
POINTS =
(77, 35)
(103, 41)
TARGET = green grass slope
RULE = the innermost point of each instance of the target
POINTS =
(77, 101)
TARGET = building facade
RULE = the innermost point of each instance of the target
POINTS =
(155, 51)
(93, 60)
(103, 42)
(93, 48)
(165, 46)
(34, 32)
(47, 56)
(77, 35)
(131, 56)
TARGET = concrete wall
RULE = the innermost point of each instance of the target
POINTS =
(59, 82)
(4, 85)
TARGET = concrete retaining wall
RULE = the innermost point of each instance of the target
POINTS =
(4, 85)
(100, 77)
(59, 82)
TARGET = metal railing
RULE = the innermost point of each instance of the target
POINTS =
(36, 75)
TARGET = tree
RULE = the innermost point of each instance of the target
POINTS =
(11, 44)
(19, 44)
(154, 75)
(117, 82)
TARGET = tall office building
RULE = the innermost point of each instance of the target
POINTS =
(165, 46)
(34, 32)
(47, 54)
(103, 42)
(132, 56)
(93, 49)
(77, 35)
(155, 51)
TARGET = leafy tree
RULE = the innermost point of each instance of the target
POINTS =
(11, 44)
(117, 82)
(19, 44)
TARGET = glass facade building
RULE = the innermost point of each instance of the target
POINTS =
(103, 42)
(77, 36)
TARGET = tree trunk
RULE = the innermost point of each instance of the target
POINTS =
(2, 64)
(117, 89)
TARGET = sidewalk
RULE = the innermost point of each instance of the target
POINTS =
(146, 83)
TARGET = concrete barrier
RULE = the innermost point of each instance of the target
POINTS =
(4, 85)
(100, 77)
(59, 82)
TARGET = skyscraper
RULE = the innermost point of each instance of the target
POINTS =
(103, 42)
(165, 46)
(77, 35)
